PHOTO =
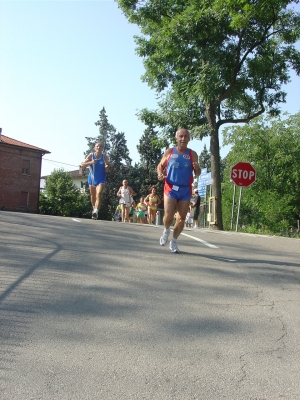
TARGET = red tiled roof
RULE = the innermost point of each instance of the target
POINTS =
(74, 174)
(14, 142)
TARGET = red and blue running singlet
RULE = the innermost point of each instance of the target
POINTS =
(179, 168)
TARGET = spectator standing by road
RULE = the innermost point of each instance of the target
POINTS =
(176, 168)
(98, 164)
(196, 208)
(125, 193)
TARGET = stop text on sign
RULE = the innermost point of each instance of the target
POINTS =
(239, 173)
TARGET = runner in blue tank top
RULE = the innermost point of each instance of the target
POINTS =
(97, 163)
(176, 168)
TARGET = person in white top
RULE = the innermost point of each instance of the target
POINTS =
(125, 193)
(189, 218)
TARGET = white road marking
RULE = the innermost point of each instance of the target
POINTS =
(237, 233)
(201, 241)
(76, 220)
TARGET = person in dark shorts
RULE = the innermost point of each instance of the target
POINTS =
(196, 208)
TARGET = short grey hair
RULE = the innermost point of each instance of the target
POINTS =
(182, 129)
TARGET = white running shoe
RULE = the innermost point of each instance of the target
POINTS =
(95, 215)
(173, 246)
(164, 237)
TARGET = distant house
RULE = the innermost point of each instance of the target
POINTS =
(79, 177)
(20, 174)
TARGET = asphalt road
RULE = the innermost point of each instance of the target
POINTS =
(98, 310)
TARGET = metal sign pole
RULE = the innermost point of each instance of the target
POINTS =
(203, 181)
(238, 214)
(232, 208)
(204, 209)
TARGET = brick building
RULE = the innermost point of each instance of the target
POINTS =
(20, 173)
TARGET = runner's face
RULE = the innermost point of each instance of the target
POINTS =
(182, 137)
(125, 183)
(98, 147)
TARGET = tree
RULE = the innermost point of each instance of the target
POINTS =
(204, 159)
(62, 197)
(214, 62)
(120, 164)
(150, 150)
(106, 130)
(273, 146)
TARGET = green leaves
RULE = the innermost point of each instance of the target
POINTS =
(214, 51)
(273, 146)
(62, 197)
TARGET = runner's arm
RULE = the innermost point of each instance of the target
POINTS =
(146, 199)
(162, 164)
(88, 161)
(195, 163)
(106, 162)
(132, 192)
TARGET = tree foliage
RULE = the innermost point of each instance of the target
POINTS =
(214, 62)
(204, 159)
(62, 197)
(150, 150)
(273, 146)
(106, 130)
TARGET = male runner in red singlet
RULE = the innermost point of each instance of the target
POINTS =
(177, 167)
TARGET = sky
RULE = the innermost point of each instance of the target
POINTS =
(61, 62)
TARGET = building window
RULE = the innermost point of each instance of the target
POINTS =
(24, 199)
(26, 167)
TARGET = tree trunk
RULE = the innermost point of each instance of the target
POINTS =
(215, 165)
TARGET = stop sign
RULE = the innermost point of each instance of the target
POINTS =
(243, 174)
